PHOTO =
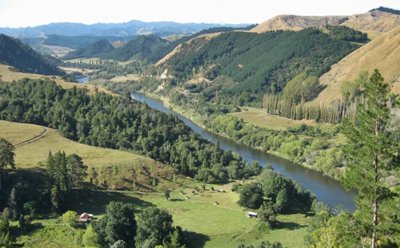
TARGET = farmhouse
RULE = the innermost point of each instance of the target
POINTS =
(85, 218)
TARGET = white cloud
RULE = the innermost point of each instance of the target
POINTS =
(34, 12)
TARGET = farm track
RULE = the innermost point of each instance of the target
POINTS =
(33, 139)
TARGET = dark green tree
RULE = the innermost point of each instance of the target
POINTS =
(118, 224)
(167, 194)
(154, 228)
(267, 213)
(251, 196)
(6, 157)
(76, 170)
(370, 152)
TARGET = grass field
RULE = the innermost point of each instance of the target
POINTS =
(261, 118)
(207, 224)
(211, 218)
(128, 77)
(30, 154)
(9, 76)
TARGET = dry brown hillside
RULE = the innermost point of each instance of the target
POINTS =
(382, 53)
(373, 23)
(293, 22)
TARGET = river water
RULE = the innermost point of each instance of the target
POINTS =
(324, 188)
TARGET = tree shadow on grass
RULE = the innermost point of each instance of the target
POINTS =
(31, 228)
(196, 240)
(287, 225)
(176, 200)
(96, 201)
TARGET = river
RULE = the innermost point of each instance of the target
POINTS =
(324, 188)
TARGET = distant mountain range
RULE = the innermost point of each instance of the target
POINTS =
(112, 29)
(145, 47)
(23, 58)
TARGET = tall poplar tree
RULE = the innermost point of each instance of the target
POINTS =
(370, 152)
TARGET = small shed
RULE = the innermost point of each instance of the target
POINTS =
(85, 218)
(251, 214)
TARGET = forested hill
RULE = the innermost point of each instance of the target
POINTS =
(120, 123)
(241, 63)
(14, 53)
(144, 47)
(94, 50)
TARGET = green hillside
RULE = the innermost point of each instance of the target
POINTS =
(13, 52)
(145, 47)
(94, 50)
(245, 65)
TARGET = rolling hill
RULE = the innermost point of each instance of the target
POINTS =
(374, 22)
(231, 62)
(382, 53)
(143, 47)
(23, 58)
(94, 50)
(296, 23)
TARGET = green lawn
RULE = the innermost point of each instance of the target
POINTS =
(207, 224)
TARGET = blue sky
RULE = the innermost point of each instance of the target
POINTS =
(21, 13)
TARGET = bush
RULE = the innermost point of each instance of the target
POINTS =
(90, 238)
(7, 214)
(70, 218)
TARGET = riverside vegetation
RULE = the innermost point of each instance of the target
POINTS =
(214, 76)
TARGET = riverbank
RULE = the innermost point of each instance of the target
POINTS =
(199, 121)
(325, 188)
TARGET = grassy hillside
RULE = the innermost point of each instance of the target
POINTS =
(296, 23)
(14, 53)
(119, 169)
(374, 23)
(382, 53)
(29, 154)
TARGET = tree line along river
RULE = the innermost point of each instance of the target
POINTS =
(324, 188)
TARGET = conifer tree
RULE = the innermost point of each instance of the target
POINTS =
(369, 153)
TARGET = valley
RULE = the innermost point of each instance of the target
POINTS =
(163, 134)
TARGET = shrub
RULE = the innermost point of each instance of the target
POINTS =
(70, 218)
